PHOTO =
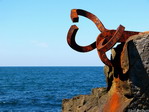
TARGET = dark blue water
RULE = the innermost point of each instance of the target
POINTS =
(41, 89)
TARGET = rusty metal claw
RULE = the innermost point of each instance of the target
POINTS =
(74, 17)
(72, 43)
(73, 30)
(103, 46)
(112, 41)
(105, 40)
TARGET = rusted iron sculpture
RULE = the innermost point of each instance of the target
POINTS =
(105, 40)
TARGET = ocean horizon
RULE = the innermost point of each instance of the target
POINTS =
(42, 88)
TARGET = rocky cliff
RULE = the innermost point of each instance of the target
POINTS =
(127, 82)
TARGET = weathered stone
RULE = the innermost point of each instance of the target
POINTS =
(127, 89)
(84, 103)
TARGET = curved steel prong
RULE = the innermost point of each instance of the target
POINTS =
(73, 30)
(112, 41)
(103, 47)
(105, 40)
(92, 17)
(72, 43)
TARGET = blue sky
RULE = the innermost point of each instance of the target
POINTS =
(33, 32)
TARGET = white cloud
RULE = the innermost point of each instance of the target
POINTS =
(40, 44)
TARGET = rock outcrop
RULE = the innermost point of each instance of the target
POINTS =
(127, 90)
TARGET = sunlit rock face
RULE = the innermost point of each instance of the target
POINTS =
(127, 91)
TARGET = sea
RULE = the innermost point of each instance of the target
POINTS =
(42, 89)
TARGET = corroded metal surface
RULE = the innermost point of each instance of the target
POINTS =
(73, 30)
(105, 40)
(92, 17)
(102, 48)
